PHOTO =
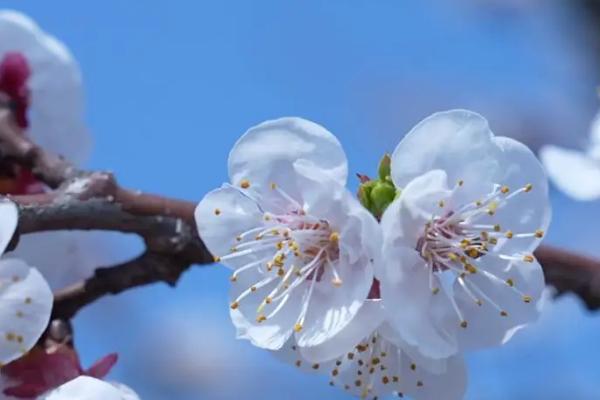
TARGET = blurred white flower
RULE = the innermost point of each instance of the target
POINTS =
(379, 363)
(459, 271)
(25, 298)
(576, 172)
(301, 246)
(43, 82)
(88, 388)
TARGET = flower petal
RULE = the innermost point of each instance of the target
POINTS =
(88, 388)
(9, 216)
(25, 305)
(367, 319)
(447, 141)
(266, 153)
(222, 216)
(55, 125)
(574, 172)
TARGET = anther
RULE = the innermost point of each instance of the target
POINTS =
(217, 211)
(509, 234)
(261, 318)
(234, 305)
(244, 183)
(504, 189)
(527, 299)
(528, 258)
(297, 327)
(503, 313)
(539, 233)
(337, 282)
(528, 187)
(334, 237)
(464, 324)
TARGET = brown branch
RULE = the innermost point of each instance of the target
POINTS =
(93, 200)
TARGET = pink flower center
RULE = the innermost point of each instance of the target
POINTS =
(14, 74)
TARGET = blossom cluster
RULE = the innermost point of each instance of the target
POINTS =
(41, 96)
(383, 291)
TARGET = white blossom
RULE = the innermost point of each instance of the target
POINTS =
(576, 172)
(56, 106)
(376, 362)
(301, 246)
(25, 298)
(459, 271)
(88, 388)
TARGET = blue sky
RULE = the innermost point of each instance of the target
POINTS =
(171, 85)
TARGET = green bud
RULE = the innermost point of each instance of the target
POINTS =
(364, 194)
(385, 168)
(382, 195)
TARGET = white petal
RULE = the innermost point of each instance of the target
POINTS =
(408, 302)
(447, 141)
(55, 125)
(574, 172)
(88, 388)
(222, 215)
(9, 216)
(25, 306)
(266, 153)
(365, 322)
(486, 326)
(272, 333)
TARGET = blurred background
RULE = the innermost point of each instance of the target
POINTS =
(171, 85)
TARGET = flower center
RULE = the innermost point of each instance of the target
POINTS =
(14, 74)
(454, 241)
(289, 249)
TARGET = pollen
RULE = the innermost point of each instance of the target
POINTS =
(334, 237)
(244, 183)
(528, 258)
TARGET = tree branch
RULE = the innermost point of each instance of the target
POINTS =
(84, 200)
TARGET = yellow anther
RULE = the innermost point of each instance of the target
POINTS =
(441, 203)
(234, 305)
(413, 366)
(539, 234)
(273, 185)
(509, 234)
(497, 228)
(253, 288)
(503, 313)
(238, 238)
(233, 249)
(334, 237)
(473, 253)
(470, 268)
(280, 272)
(337, 282)
(452, 256)
(464, 324)
(297, 327)
(261, 318)
(528, 258)
(527, 299)
(492, 208)
(216, 259)
(268, 300)
(464, 243)
(493, 241)
(510, 282)
(478, 203)
(267, 217)
(279, 246)
(435, 290)
(217, 211)
(362, 347)
(244, 183)
(504, 189)
(528, 187)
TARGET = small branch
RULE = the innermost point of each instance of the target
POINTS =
(86, 200)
